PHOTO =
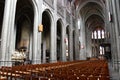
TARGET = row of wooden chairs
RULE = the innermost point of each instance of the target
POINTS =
(72, 70)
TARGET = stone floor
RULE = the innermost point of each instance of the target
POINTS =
(113, 75)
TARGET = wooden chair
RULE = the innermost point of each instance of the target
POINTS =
(3, 78)
(104, 78)
(92, 78)
(44, 79)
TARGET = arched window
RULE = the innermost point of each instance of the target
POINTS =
(102, 50)
(95, 35)
(92, 35)
(99, 34)
(103, 34)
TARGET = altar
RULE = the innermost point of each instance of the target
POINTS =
(18, 57)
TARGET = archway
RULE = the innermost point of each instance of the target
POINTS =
(24, 28)
(93, 18)
(46, 37)
(59, 40)
(2, 4)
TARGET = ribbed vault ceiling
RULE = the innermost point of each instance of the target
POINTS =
(94, 22)
(92, 12)
(24, 8)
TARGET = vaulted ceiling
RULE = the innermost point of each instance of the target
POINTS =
(24, 9)
(92, 12)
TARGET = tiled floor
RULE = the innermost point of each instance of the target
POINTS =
(113, 75)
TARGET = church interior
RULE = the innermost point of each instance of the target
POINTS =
(59, 39)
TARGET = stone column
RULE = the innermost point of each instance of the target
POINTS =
(31, 45)
(77, 43)
(63, 44)
(109, 27)
(71, 39)
(118, 19)
(70, 45)
(44, 52)
(7, 22)
(53, 47)
(52, 43)
(36, 54)
(93, 45)
(11, 33)
(96, 45)
(83, 42)
(116, 26)
(88, 44)
(113, 34)
(40, 2)
(64, 35)
(117, 4)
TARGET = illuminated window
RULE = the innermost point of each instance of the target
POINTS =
(92, 35)
(95, 35)
(99, 34)
(103, 34)
(102, 50)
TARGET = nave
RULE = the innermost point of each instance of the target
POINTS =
(49, 31)
(73, 70)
